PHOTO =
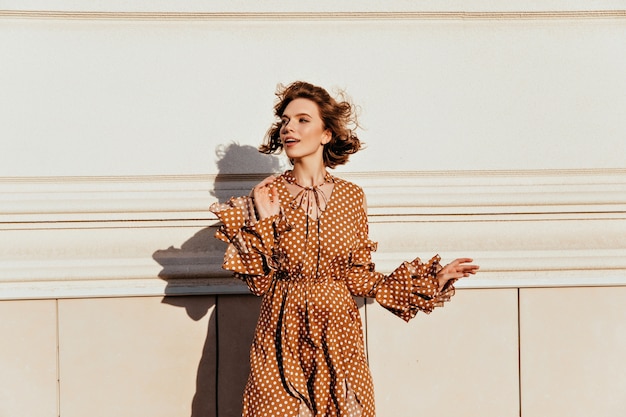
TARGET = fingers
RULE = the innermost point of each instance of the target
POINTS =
(471, 269)
(273, 195)
(265, 187)
(266, 182)
(459, 261)
(266, 198)
(459, 268)
(456, 275)
(270, 194)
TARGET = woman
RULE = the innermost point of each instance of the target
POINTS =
(302, 243)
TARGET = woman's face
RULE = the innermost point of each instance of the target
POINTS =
(302, 132)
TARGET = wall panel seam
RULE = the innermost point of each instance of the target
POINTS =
(519, 353)
(58, 357)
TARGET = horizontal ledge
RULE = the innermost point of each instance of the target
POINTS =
(376, 216)
(120, 288)
(217, 286)
(198, 274)
(44, 201)
(328, 15)
(193, 180)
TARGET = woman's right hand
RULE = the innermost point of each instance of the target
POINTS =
(266, 198)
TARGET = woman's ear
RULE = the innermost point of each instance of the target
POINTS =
(327, 136)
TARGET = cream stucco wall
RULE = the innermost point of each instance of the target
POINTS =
(493, 130)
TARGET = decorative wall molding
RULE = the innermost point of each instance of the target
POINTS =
(35, 201)
(152, 235)
(315, 15)
(115, 277)
(82, 199)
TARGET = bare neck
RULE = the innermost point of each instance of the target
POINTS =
(308, 173)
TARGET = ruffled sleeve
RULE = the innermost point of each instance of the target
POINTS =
(362, 279)
(250, 252)
(413, 287)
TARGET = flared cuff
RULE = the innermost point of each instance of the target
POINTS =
(251, 242)
(414, 287)
(362, 256)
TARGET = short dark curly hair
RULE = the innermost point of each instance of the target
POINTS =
(339, 116)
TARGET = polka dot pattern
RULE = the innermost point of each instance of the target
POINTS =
(308, 355)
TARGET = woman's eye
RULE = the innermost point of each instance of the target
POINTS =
(304, 120)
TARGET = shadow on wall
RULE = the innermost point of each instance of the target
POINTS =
(224, 365)
(234, 160)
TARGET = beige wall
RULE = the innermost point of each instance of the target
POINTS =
(493, 131)
(552, 351)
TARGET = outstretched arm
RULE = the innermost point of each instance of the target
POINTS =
(412, 287)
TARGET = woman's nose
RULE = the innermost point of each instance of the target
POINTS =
(286, 126)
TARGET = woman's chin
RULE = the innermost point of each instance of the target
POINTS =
(292, 155)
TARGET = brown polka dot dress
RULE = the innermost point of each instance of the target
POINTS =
(308, 355)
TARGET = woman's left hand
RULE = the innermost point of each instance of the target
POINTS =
(459, 268)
